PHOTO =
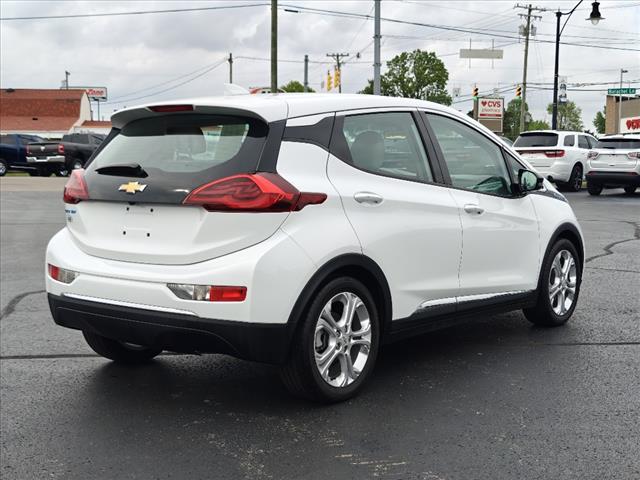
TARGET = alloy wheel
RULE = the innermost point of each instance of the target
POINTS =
(342, 339)
(562, 282)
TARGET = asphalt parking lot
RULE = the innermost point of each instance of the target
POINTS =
(494, 399)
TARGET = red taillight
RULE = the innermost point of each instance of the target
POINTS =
(260, 192)
(591, 155)
(554, 153)
(76, 188)
(61, 149)
(227, 294)
(171, 108)
(634, 155)
(54, 272)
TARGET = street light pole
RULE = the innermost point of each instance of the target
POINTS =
(376, 49)
(595, 17)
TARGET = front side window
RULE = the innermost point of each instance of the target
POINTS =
(387, 144)
(474, 162)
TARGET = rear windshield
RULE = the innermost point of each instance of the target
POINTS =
(536, 140)
(205, 146)
(618, 143)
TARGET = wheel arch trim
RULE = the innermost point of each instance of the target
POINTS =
(332, 268)
(570, 232)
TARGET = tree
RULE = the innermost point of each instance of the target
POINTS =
(416, 74)
(511, 121)
(537, 125)
(295, 86)
(569, 116)
(599, 122)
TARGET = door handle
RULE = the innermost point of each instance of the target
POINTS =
(367, 197)
(473, 209)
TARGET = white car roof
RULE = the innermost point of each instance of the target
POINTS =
(273, 107)
(566, 132)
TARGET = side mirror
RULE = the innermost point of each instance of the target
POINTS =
(528, 181)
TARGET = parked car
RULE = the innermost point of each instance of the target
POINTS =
(557, 155)
(13, 152)
(614, 163)
(306, 232)
(70, 153)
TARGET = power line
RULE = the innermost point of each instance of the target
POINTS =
(486, 32)
(138, 12)
(213, 67)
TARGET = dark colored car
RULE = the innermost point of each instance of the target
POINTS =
(13, 153)
(60, 157)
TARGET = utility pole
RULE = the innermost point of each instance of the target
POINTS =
(622, 71)
(306, 74)
(230, 60)
(376, 49)
(274, 46)
(527, 32)
(338, 57)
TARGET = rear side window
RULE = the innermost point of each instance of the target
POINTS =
(387, 144)
(569, 141)
(536, 140)
(582, 142)
(194, 148)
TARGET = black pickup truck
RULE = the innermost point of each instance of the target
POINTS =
(13, 153)
(60, 157)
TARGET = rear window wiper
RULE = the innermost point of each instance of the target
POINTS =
(123, 170)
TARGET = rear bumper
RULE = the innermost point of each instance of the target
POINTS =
(260, 342)
(54, 159)
(559, 171)
(614, 178)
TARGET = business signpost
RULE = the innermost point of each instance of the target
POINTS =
(490, 113)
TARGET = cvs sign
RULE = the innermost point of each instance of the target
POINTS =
(490, 107)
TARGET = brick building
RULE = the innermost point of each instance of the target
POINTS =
(630, 115)
(47, 112)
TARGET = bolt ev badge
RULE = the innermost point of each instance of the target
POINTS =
(132, 187)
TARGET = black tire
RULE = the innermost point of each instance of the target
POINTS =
(300, 373)
(120, 352)
(34, 173)
(4, 167)
(594, 189)
(542, 313)
(575, 179)
(62, 172)
(630, 190)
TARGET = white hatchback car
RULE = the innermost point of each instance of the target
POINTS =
(557, 155)
(304, 230)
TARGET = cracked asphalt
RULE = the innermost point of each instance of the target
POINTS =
(492, 399)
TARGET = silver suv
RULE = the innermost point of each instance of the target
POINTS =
(614, 162)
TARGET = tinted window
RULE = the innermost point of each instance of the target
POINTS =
(387, 144)
(536, 140)
(569, 141)
(592, 142)
(6, 139)
(198, 147)
(582, 142)
(474, 162)
(618, 143)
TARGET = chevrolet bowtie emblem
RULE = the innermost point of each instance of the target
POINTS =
(132, 187)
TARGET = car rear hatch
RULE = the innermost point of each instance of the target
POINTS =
(141, 177)
(615, 154)
(538, 148)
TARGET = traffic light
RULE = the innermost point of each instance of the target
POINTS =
(329, 82)
(518, 91)
(336, 78)
(475, 92)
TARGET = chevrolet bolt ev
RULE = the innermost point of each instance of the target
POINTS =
(304, 231)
